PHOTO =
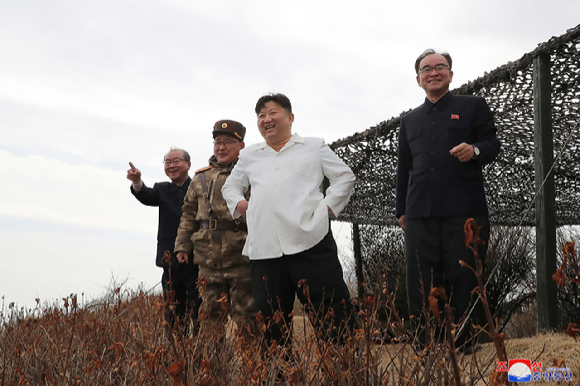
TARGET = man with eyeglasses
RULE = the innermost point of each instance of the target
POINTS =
(178, 281)
(210, 237)
(443, 145)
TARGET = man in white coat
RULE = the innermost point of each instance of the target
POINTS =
(290, 244)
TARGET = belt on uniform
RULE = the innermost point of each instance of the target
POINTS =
(223, 225)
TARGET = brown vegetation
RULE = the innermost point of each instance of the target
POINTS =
(123, 340)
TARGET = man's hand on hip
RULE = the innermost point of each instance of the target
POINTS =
(242, 207)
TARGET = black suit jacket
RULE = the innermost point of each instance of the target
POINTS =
(430, 181)
(169, 198)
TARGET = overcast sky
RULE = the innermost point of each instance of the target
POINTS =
(87, 86)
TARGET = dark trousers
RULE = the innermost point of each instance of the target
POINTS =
(275, 283)
(181, 294)
(433, 248)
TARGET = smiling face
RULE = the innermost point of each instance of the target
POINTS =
(178, 169)
(275, 123)
(227, 149)
(435, 83)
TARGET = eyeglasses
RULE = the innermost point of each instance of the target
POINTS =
(438, 68)
(174, 161)
(225, 143)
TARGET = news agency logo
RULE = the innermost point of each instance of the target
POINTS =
(523, 370)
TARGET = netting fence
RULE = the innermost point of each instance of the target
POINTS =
(509, 181)
(510, 187)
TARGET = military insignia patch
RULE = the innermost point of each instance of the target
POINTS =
(224, 125)
(203, 169)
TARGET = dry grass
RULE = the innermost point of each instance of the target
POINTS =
(122, 340)
(547, 348)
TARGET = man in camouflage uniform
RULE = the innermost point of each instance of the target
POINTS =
(208, 232)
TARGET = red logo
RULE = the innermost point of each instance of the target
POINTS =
(501, 367)
(519, 370)
(454, 116)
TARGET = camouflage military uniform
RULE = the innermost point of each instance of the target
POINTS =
(216, 242)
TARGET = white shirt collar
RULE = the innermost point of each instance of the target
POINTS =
(294, 139)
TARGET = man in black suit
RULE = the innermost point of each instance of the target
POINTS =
(443, 145)
(179, 281)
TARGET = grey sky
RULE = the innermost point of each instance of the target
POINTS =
(87, 86)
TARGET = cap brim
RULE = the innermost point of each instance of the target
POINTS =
(219, 132)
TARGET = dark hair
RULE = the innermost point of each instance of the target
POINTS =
(280, 99)
(428, 52)
(186, 156)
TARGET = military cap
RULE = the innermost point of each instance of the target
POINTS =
(233, 128)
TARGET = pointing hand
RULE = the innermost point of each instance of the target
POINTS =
(134, 174)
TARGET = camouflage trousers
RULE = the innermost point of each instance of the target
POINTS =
(228, 290)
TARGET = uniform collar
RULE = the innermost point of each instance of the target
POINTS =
(174, 187)
(213, 162)
(441, 103)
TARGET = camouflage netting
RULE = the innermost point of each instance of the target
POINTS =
(510, 185)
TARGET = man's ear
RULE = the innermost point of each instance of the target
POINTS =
(242, 145)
